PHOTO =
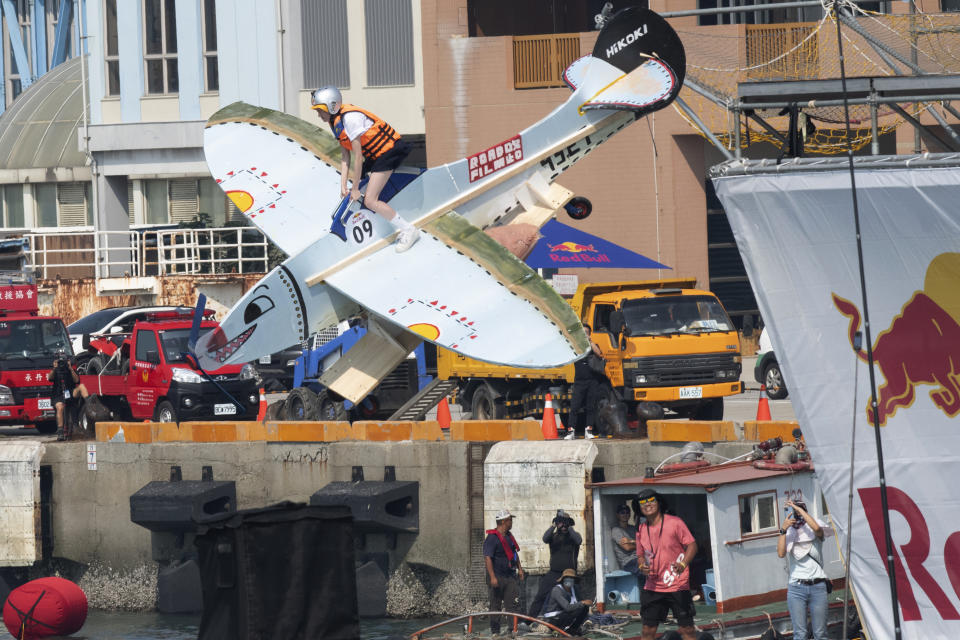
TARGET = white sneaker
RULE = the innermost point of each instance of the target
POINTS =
(588, 434)
(570, 436)
(407, 238)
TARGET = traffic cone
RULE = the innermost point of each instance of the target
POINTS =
(763, 408)
(443, 414)
(262, 411)
(549, 426)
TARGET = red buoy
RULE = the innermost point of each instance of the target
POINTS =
(45, 607)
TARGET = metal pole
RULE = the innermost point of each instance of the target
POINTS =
(943, 123)
(928, 135)
(744, 8)
(763, 123)
(853, 447)
(891, 568)
(736, 132)
(703, 128)
(874, 132)
(839, 102)
(913, 59)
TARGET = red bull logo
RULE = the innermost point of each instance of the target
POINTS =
(574, 252)
(571, 247)
(922, 345)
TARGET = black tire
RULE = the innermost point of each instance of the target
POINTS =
(773, 378)
(274, 411)
(579, 208)
(165, 412)
(86, 423)
(484, 405)
(301, 404)
(711, 409)
(95, 365)
(331, 407)
(46, 428)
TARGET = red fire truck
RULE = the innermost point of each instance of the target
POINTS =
(144, 375)
(29, 343)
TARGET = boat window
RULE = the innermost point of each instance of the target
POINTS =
(758, 513)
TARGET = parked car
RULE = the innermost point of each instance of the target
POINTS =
(767, 370)
(106, 321)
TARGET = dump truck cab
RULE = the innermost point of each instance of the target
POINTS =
(665, 342)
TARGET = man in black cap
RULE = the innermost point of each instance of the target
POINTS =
(664, 549)
(501, 555)
(564, 548)
(563, 609)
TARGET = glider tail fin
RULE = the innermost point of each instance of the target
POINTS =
(638, 64)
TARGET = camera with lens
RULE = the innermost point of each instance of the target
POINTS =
(562, 519)
(61, 367)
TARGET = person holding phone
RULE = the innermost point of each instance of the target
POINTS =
(801, 542)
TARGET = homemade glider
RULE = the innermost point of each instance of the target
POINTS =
(457, 287)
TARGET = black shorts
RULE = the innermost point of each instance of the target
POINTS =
(654, 606)
(388, 161)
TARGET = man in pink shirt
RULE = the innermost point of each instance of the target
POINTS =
(664, 548)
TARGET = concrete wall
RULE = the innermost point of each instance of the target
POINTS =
(91, 511)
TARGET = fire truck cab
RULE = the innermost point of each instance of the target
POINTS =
(29, 343)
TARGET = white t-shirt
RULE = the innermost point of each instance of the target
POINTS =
(355, 124)
(803, 547)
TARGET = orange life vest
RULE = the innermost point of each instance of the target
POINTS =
(374, 142)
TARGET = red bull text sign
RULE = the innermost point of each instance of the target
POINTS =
(574, 252)
(480, 165)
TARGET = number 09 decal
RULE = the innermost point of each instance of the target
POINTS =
(361, 230)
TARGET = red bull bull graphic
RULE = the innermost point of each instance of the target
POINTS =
(922, 345)
(575, 252)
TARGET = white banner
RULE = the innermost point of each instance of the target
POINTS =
(795, 231)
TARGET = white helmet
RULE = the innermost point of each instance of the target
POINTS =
(326, 98)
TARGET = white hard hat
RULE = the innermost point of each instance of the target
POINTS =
(503, 514)
(327, 99)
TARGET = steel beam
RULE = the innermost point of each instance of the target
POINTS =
(925, 133)
(38, 37)
(62, 32)
(703, 128)
(16, 44)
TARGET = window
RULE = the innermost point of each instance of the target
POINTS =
(601, 317)
(147, 348)
(112, 54)
(45, 195)
(13, 205)
(773, 15)
(160, 46)
(210, 69)
(389, 34)
(156, 202)
(323, 30)
(758, 513)
(950, 5)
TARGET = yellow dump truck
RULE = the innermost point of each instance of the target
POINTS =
(663, 341)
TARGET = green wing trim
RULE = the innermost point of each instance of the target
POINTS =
(511, 272)
(320, 142)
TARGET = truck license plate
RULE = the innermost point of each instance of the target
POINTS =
(224, 409)
(43, 403)
(691, 392)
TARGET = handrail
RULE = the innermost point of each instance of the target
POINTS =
(149, 252)
(418, 635)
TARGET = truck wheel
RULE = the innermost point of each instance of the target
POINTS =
(95, 366)
(773, 378)
(165, 412)
(46, 428)
(711, 409)
(485, 405)
(301, 404)
(331, 409)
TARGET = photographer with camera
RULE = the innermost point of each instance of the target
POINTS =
(801, 542)
(66, 386)
(564, 548)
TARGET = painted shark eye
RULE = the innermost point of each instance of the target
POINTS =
(256, 308)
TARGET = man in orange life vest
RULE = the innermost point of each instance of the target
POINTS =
(370, 147)
(501, 555)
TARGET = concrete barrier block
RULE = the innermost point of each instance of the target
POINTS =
(527, 430)
(134, 432)
(427, 430)
(724, 431)
(251, 431)
(766, 429)
(295, 431)
(680, 430)
(171, 432)
(214, 431)
(481, 430)
(376, 431)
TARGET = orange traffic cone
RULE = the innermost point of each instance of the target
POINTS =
(549, 426)
(262, 411)
(763, 408)
(443, 414)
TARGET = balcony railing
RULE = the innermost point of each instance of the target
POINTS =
(539, 61)
(787, 51)
(229, 250)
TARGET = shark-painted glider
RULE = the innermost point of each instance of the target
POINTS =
(457, 287)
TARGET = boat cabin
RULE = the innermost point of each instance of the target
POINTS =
(734, 511)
